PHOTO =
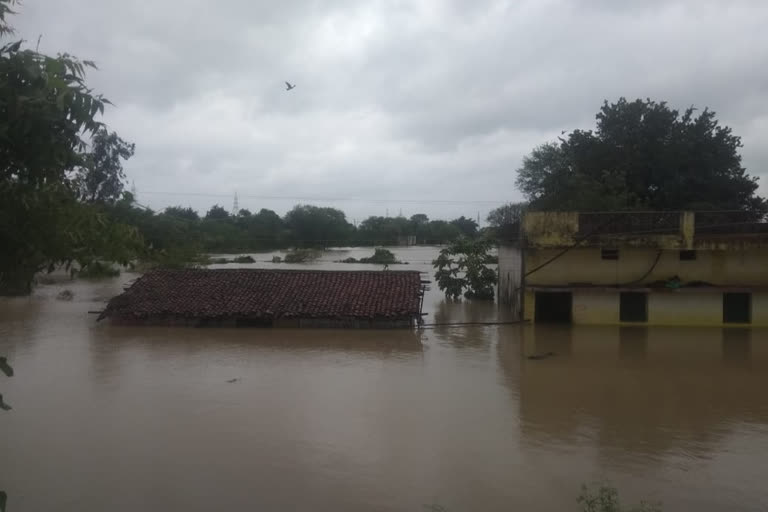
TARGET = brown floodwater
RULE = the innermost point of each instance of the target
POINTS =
(115, 418)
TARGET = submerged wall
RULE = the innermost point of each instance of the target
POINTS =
(511, 280)
(684, 307)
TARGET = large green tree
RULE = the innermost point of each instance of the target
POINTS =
(317, 226)
(642, 155)
(46, 113)
(101, 177)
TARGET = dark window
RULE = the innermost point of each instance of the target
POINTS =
(609, 254)
(687, 255)
(553, 307)
(737, 308)
(633, 307)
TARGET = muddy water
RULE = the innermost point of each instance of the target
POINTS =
(109, 418)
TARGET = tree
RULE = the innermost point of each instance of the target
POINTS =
(101, 177)
(440, 231)
(182, 213)
(468, 227)
(642, 155)
(217, 213)
(313, 225)
(506, 219)
(46, 109)
(384, 230)
(462, 269)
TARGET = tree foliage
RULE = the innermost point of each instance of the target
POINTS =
(642, 155)
(467, 227)
(505, 220)
(100, 179)
(217, 213)
(462, 269)
(317, 226)
(46, 111)
(303, 226)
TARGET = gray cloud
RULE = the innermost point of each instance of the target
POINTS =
(396, 100)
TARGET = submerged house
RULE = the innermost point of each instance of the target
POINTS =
(658, 268)
(267, 298)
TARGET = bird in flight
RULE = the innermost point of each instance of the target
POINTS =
(289, 86)
(5, 367)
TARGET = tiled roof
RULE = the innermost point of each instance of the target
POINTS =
(268, 294)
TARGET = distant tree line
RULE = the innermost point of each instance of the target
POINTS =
(303, 226)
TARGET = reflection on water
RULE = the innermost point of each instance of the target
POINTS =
(121, 418)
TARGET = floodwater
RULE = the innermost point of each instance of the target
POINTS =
(448, 418)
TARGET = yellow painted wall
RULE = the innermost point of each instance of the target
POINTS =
(674, 308)
(551, 228)
(595, 307)
(685, 308)
(748, 267)
(760, 309)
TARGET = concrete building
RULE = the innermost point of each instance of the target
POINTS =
(658, 268)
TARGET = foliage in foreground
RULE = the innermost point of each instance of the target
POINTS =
(48, 113)
(462, 269)
(605, 498)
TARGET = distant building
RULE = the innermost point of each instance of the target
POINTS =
(661, 268)
(270, 298)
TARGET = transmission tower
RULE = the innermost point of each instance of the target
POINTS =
(235, 206)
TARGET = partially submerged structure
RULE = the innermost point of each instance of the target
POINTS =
(267, 298)
(662, 268)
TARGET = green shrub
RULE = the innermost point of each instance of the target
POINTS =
(244, 259)
(462, 269)
(277, 259)
(382, 257)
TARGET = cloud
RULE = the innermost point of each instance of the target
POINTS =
(414, 105)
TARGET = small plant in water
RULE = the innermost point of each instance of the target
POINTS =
(605, 498)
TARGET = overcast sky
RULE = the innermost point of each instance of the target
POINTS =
(413, 106)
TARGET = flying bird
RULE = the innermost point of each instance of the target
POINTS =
(289, 86)
(4, 406)
(5, 367)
